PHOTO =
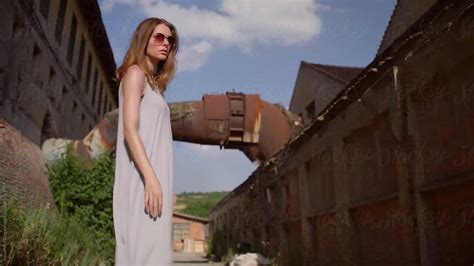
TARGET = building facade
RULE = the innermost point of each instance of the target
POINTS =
(56, 68)
(190, 233)
(384, 174)
(316, 86)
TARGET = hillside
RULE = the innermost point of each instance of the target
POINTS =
(198, 203)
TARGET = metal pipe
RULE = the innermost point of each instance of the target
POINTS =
(231, 120)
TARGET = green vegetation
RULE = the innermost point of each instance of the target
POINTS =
(199, 203)
(85, 191)
(217, 246)
(81, 232)
(41, 236)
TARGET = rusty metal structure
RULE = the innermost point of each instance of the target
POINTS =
(232, 120)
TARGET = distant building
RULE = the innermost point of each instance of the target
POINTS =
(56, 68)
(316, 86)
(190, 233)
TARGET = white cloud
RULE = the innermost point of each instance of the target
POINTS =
(243, 22)
(193, 56)
(272, 21)
(107, 5)
(240, 23)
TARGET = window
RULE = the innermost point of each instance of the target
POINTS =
(302, 117)
(64, 96)
(80, 61)
(51, 84)
(63, 92)
(52, 74)
(94, 94)
(60, 21)
(94, 85)
(46, 129)
(99, 104)
(286, 197)
(103, 104)
(180, 231)
(106, 105)
(268, 194)
(44, 8)
(311, 110)
(36, 59)
(74, 107)
(72, 39)
(88, 73)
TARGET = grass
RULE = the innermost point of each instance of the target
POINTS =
(41, 236)
(199, 203)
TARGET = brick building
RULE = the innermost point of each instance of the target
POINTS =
(56, 80)
(384, 173)
(190, 233)
(56, 68)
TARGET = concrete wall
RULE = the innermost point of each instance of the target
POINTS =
(386, 177)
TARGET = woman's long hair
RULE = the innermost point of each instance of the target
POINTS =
(136, 54)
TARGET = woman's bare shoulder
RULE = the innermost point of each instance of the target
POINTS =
(135, 77)
(134, 71)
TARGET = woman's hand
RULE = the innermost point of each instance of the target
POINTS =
(153, 197)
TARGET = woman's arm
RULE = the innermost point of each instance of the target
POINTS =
(133, 83)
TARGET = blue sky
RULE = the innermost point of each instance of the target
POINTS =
(250, 46)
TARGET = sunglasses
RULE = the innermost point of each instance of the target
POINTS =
(159, 38)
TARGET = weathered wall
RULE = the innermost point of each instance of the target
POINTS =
(196, 230)
(54, 80)
(384, 176)
(22, 169)
(316, 86)
(189, 234)
(405, 13)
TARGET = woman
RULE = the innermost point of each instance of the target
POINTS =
(143, 188)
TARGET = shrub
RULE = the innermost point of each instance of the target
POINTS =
(217, 246)
(39, 236)
(85, 190)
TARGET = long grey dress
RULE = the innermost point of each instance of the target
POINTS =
(141, 240)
